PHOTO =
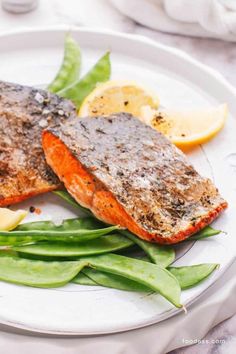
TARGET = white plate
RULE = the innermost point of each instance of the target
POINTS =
(32, 58)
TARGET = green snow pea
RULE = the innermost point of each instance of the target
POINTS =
(105, 244)
(68, 198)
(83, 279)
(37, 273)
(151, 275)
(70, 68)
(191, 275)
(79, 90)
(111, 281)
(71, 230)
(87, 223)
(187, 277)
(158, 254)
(35, 257)
(208, 231)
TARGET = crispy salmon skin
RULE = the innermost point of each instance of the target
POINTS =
(127, 173)
(24, 112)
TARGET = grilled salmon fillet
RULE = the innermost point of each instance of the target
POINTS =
(24, 112)
(127, 173)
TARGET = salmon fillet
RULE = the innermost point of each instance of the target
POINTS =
(24, 112)
(128, 174)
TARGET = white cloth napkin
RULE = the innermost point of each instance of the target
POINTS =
(203, 18)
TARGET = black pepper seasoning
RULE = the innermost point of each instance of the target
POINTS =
(32, 209)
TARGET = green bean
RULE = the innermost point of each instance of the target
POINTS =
(208, 231)
(83, 279)
(113, 281)
(68, 198)
(79, 90)
(158, 254)
(190, 276)
(37, 273)
(105, 244)
(148, 274)
(70, 68)
(71, 230)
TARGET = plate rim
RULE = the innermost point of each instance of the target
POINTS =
(132, 36)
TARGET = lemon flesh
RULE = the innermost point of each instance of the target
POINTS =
(118, 96)
(186, 128)
(10, 219)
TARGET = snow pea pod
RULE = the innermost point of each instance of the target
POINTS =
(69, 199)
(71, 230)
(160, 255)
(208, 231)
(151, 275)
(83, 279)
(104, 244)
(113, 281)
(24, 237)
(192, 275)
(70, 68)
(187, 277)
(67, 225)
(37, 273)
(79, 90)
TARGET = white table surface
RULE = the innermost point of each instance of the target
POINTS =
(217, 54)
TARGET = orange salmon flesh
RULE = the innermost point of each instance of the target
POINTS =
(95, 188)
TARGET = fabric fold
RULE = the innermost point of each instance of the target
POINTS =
(201, 18)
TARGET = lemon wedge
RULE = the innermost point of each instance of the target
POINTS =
(186, 128)
(117, 96)
(10, 219)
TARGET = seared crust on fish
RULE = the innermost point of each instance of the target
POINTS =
(24, 112)
(127, 173)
